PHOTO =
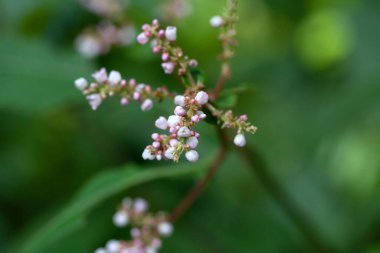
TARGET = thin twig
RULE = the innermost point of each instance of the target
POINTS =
(282, 197)
(196, 191)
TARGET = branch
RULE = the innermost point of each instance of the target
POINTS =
(196, 191)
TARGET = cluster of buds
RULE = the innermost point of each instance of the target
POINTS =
(98, 40)
(182, 137)
(146, 229)
(226, 119)
(174, 9)
(163, 42)
(227, 22)
(113, 84)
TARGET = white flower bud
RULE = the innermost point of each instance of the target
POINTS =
(180, 111)
(148, 155)
(171, 33)
(100, 76)
(113, 246)
(81, 83)
(192, 142)
(150, 250)
(140, 205)
(114, 77)
(142, 39)
(168, 67)
(192, 156)
(174, 120)
(216, 21)
(95, 100)
(169, 153)
(147, 105)
(161, 123)
(173, 142)
(165, 228)
(184, 132)
(239, 140)
(201, 98)
(120, 219)
(179, 100)
(100, 250)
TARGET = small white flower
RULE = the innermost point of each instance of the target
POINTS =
(100, 76)
(148, 155)
(147, 105)
(89, 46)
(201, 98)
(169, 153)
(174, 120)
(161, 123)
(165, 228)
(142, 39)
(81, 83)
(120, 219)
(95, 100)
(192, 142)
(140, 205)
(180, 111)
(114, 77)
(184, 132)
(168, 67)
(216, 21)
(239, 140)
(173, 142)
(171, 33)
(179, 100)
(113, 246)
(192, 156)
(100, 250)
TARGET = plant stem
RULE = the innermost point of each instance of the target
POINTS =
(196, 191)
(282, 197)
(225, 73)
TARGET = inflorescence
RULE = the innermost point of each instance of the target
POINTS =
(189, 110)
(147, 229)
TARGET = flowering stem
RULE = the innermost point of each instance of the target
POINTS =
(282, 197)
(224, 75)
(196, 191)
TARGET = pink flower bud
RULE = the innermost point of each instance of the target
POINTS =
(243, 117)
(123, 82)
(142, 38)
(100, 76)
(239, 140)
(195, 118)
(155, 136)
(140, 205)
(201, 98)
(147, 105)
(165, 56)
(192, 156)
(179, 100)
(156, 49)
(171, 33)
(168, 67)
(192, 142)
(132, 83)
(173, 142)
(180, 111)
(193, 63)
(136, 96)
(156, 144)
(145, 27)
(155, 22)
(161, 123)
(161, 34)
(124, 101)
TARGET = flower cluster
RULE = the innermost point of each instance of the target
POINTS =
(163, 42)
(146, 229)
(113, 84)
(226, 119)
(98, 40)
(182, 137)
(174, 9)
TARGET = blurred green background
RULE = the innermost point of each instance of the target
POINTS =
(314, 66)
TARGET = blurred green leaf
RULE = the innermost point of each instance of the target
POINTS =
(103, 186)
(34, 77)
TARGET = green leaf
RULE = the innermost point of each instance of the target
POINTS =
(97, 190)
(228, 98)
(36, 78)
